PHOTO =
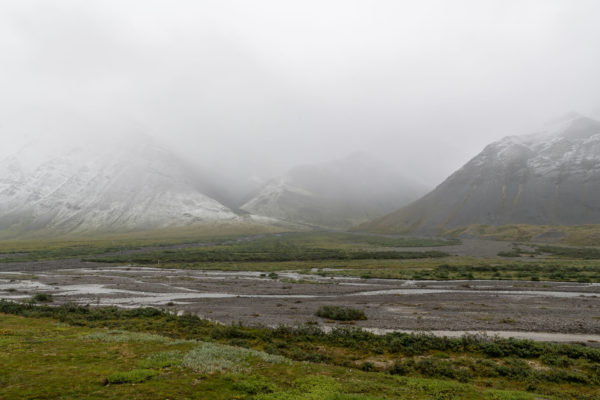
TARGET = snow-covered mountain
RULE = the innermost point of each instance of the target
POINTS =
(549, 177)
(117, 185)
(336, 194)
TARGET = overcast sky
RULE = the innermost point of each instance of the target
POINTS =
(248, 85)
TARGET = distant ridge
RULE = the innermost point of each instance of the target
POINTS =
(336, 194)
(549, 177)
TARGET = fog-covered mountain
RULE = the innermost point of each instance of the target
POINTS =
(336, 194)
(549, 177)
(116, 185)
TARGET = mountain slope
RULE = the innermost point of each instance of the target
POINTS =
(550, 177)
(125, 185)
(337, 194)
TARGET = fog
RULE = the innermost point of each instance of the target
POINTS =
(253, 88)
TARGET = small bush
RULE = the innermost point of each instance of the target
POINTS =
(508, 254)
(400, 368)
(134, 376)
(564, 376)
(367, 366)
(340, 313)
(556, 360)
(435, 369)
(516, 369)
(43, 298)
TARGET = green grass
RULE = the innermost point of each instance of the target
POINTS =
(329, 244)
(133, 376)
(8, 239)
(160, 355)
(118, 336)
(278, 248)
(165, 359)
(447, 268)
(338, 239)
(54, 248)
(585, 253)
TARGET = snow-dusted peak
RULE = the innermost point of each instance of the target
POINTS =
(563, 140)
(108, 184)
(549, 177)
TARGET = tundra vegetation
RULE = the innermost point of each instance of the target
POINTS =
(236, 247)
(147, 353)
(370, 256)
(323, 253)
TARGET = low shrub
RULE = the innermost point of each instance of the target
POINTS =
(210, 357)
(340, 313)
(401, 368)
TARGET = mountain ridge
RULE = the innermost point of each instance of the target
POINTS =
(549, 177)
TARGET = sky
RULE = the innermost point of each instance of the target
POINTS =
(255, 87)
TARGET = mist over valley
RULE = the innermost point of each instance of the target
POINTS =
(337, 200)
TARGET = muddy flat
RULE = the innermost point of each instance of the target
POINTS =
(555, 311)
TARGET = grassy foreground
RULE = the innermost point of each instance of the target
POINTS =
(106, 353)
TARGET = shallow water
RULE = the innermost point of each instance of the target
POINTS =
(147, 276)
(23, 285)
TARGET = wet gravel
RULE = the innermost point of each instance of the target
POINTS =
(231, 297)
